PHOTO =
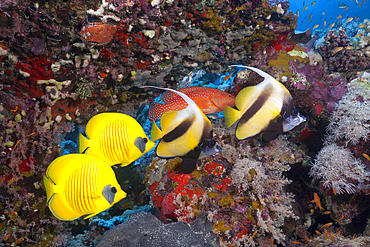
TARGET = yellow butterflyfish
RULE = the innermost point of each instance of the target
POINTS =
(80, 184)
(115, 137)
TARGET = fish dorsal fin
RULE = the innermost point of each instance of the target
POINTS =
(268, 78)
(96, 123)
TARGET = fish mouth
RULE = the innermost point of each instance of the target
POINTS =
(291, 122)
(210, 149)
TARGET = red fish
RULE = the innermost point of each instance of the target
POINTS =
(209, 100)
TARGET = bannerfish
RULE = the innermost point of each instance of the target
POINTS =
(80, 184)
(115, 137)
(209, 100)
(186, 133)
(266, 108)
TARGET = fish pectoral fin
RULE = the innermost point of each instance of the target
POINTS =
(204, 104)
(231, 116)
(156, 133)
(258, 123)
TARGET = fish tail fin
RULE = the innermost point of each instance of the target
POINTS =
(155, 133)
(83, 143)
(231, 116)
(156, 110)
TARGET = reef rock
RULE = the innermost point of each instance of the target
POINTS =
(144, 229)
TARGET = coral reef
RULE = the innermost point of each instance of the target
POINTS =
(340, 55)
(242, 195)
(62, 62)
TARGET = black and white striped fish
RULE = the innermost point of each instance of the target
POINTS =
(266, 108)
(186, 133)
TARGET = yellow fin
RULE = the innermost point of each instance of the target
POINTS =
(231, 115)
(246, 97)
(171, 119)
(155, 133)
(83, 143)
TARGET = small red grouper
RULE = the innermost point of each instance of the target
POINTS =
(209, 100)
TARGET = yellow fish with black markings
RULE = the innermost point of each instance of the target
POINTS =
(186, 133)
(266, 108)
(80, 184)
(115, 137)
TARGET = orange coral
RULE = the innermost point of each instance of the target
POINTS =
(98, 32)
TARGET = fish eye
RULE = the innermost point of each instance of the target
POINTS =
(212, 143)
(145, 140)
(294, 112)
(113, 190)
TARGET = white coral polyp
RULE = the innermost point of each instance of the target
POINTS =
(337, 168)
(350, 120)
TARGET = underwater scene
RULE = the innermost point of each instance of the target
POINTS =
(184, 123)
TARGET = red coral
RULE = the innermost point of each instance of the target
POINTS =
(168, 206)
(318, 108)
(281, 44)
(211, 167)
(107, 54)
(25, 164)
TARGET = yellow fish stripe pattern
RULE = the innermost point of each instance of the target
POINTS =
(117, 138)
(80, 184)
(73, 191)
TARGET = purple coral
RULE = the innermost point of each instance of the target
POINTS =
(339, 55)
